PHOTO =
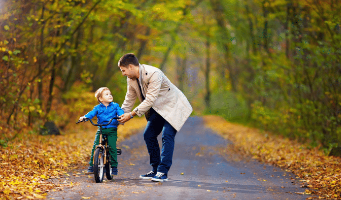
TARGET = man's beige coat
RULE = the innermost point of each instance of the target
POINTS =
(160, 94)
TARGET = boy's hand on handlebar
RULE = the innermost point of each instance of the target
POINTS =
(82, 118)
(124, 118)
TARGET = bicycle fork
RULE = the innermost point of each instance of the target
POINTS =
(102, 147)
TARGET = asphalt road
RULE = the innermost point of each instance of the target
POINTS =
(203, 167)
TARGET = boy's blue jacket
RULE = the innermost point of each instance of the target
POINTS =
(104, 114)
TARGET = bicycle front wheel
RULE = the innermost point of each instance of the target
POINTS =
(99, 165)
(108, 169)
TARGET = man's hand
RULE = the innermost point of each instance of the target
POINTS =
(124, 118)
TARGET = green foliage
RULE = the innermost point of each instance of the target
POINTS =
(3, 143)
(226, 104)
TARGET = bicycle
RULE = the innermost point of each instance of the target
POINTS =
(102, 155)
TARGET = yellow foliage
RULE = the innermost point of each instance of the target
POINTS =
(318, 170)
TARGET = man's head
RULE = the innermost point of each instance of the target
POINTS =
(129, 66)
(103, 95)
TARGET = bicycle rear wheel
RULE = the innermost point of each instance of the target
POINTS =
(99, 165)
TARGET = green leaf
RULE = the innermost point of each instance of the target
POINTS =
(5, 58)
(15, 52)
(6, 27)
(36, 101)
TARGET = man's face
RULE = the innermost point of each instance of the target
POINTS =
(128, 71)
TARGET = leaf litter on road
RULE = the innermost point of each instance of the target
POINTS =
(320, 173)
(31, 160)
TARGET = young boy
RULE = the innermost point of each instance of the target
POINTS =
(105, 110)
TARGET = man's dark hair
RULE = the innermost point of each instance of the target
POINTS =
(127, 59)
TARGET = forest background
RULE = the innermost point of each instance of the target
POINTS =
(271, 64)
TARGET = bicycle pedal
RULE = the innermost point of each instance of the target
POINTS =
(119, 151)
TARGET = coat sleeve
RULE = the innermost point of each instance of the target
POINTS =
(92, 113)
(130, 98)
(119, 110)
(151, 94)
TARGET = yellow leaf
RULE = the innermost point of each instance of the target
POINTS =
(38, 196)
(307, 192)
(7, 191)
(43, 176)
(86, 197)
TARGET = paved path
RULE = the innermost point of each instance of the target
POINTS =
(203, 168)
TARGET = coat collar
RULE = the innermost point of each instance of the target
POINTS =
(110, 104)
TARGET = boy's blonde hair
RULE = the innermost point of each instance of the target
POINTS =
(99, 93)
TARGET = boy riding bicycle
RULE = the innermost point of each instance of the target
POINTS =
(105, 110)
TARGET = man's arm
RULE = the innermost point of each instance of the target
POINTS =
(128, 103)
(129, 99)
(152, 93)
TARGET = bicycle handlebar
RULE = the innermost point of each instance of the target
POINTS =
(87, 119)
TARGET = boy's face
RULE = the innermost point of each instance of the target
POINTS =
(106, 97)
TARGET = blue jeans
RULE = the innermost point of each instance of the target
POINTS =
(155, 125)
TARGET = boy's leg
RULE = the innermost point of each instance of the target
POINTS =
(112, 139)
(168, 136)
(153, 129)
(96, 142)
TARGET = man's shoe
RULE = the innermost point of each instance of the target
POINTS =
(160, 177)
(114, 171)
(149, 175)
(90, 170)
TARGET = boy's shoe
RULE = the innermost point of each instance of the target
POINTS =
(149, 175)
(90, 170)
(114, 171)
(160, 177)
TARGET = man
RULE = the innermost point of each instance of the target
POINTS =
(164, 105)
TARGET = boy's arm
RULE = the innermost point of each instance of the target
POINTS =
(119, 110)
(92, 113)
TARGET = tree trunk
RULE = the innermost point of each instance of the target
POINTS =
(265, 30)
(53, 74)
(207, 73)
(74, 64)
(252, 35)
(218, 10)
(143, 45)
(41, 54)
(287, 29)
(170, 47)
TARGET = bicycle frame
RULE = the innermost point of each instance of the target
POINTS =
(100, 145)
(101, 154)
